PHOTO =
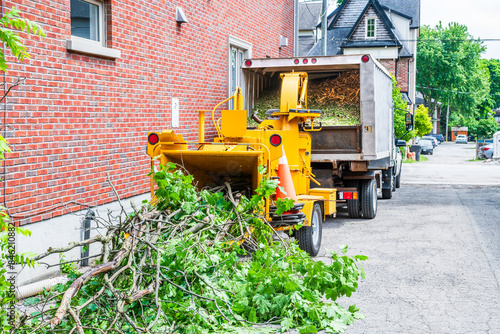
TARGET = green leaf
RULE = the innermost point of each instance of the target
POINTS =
(308, 329)
(252, 317)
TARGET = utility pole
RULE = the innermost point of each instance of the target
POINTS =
(323, 27)
(447, 115)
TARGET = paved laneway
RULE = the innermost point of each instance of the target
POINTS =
(434, 250)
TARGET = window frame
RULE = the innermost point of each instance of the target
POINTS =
(245, 48)
(102, 25)
(367, 19)
(90, 47)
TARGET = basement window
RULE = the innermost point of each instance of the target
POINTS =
(370, 27)
(88, 29)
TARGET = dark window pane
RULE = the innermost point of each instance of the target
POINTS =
(85, 20)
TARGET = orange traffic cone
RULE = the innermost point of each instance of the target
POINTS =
(285, 179)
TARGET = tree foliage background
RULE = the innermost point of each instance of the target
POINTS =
(450, 71)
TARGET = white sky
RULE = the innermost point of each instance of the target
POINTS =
(482, 18)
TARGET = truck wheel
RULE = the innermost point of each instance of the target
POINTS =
(369, 199)
(353, 205)
(398, 179)
(309, 237)
(387, 193)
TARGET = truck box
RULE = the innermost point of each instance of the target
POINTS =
(353, 155)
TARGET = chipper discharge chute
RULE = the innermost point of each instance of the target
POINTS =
(237, 152)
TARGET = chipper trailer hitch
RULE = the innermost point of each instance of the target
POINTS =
(236, 153)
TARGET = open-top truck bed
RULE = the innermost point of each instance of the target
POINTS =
(363, 155)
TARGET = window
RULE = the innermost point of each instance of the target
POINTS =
(87, 20)
(88, 29)
(370, 27)
(238, 50)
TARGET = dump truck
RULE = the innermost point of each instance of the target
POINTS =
(366, 155)
(235, 154)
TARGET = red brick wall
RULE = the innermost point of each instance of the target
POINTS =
(401, 72)
(76, 118)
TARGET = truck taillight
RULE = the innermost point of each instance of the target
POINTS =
(305, 61)
(275, 140)
(365, 59)
(248, 63)
(348, 195)
(314, 60)
(153, 139)
(296, 61)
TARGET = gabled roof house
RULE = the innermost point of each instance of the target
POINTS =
(386, 29)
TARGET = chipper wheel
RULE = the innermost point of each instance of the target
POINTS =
(309, 237)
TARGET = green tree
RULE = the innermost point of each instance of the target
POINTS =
(487, 127)
(423, 122)
(11, 24)
(493, 66)
(400, 110)
(449, 68)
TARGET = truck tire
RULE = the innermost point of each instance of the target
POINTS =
(354, 205)
(309, 237)
(387, 192)
(398, 179)
(369, 199)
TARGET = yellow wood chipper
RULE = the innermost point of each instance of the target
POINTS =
(237, 152)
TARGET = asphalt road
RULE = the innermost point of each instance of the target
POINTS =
(434, 249)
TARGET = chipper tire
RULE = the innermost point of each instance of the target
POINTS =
(309, 237)
(369, 199)
(354, 205)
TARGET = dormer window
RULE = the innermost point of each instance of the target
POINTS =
(370, 27)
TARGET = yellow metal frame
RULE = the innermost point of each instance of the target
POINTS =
(238, 151)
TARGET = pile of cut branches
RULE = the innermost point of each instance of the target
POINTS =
(197, 262)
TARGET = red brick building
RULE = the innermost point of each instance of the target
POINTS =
(108, 72)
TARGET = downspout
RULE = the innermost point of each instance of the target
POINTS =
(324, 21)
(408, 81)
(396, 69)
(295, 27)
(4, 125)
(33, 289)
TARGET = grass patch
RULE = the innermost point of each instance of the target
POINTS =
(410, 161)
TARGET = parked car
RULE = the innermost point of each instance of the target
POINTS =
(461, 139)
(427, 146)
(486, 151)
(438, 136)
(432, 139)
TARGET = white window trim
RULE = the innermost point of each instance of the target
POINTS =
(374, 27)
(88, 46)
(241, 44)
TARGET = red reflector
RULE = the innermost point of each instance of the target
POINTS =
(305, 61)
(296, 61)
(314, 60)
(275, 140)
(365, 59)
(153, 138)
(347, 195)
(248, 62)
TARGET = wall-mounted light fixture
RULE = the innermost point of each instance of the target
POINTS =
(283, 41)
(181, 17)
